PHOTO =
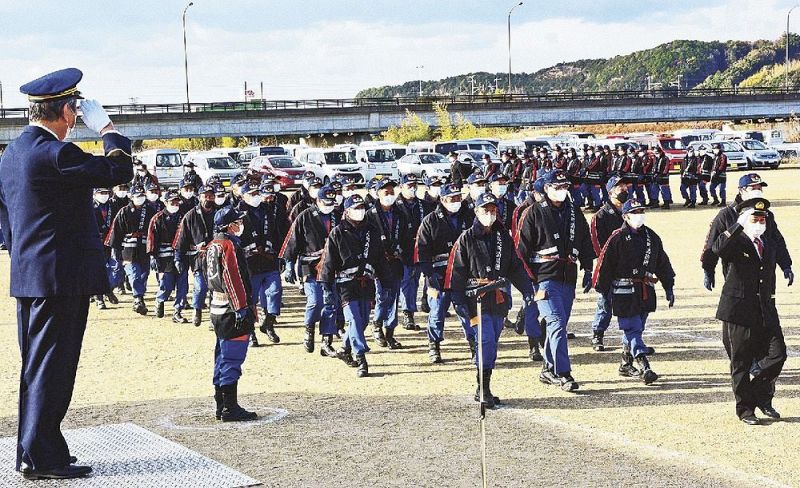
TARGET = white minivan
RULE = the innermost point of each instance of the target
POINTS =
(166, 164)
(208, 164)
(379, 159)
(328, 163)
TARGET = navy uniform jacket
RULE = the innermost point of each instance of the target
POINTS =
(397, 239)
(725, 219)
(265, 229)
(193, 178)
(47, 214)
(630, 264)
(160, 234)
(661, 170)
(748, 296)
(129, 232)
(306, 239)
(604, 223)
(435, 238)
(194, 233)
(104, 213)
(299, 195)
(415, 209)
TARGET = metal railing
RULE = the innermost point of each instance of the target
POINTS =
(417, 102)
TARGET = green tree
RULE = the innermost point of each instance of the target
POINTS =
(412, 128)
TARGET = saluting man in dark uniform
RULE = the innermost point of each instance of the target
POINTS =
(751, 327)
(57, 258)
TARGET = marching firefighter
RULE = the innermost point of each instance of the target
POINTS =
(103, 212)
(719, 176)
(660, 180)
(231, 312)
(314, 185)
(595, 173)
(160, 235)
(632, 261)
(143, 177)
(190, 176)
(485, 253)
(705, 164)
(301, 193)
(689, 179)
(415, 210)
(498, 185)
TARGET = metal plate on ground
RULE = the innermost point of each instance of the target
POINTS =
(126, 455)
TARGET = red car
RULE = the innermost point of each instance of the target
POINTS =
(286, 169)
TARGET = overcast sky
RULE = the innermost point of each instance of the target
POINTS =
(333, 48)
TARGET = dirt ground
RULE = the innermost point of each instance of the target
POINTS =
(415, 424)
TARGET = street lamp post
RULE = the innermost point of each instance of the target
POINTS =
(185, 58)
(786, 70)
(509, 45)
(420, 68)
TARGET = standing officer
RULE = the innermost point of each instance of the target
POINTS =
(632, 261)
(595, 172)
(554, 239)
(719, 176)
(689, 179)
(459, 172)
(482, 254)
(660, 180)
(190, 176)
(104, 213)
(57, 259)
(143, 177)
(415, 210)
(704, 166)
(751, 327)
(160, 235)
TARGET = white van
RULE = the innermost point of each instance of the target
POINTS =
(208, 164)
(166, 164)
(328, 163)
(379, 158)
(421, 146)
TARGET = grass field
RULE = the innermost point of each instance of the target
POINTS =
(414, 424)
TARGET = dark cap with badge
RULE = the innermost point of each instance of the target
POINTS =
(751, 179)
(382, 183)
(475, 178)
(136, 190)
(486, 199)
(171, 194)
(226, 216)
(327, 195)
(450, 189)
(759, 206)
(615, 181)
(555, 177)
(632, 205)
(354, 201)
(53, 86)
(408, 179)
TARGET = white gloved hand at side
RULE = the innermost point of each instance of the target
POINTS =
(94, 115)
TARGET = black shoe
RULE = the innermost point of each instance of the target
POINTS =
(61, 473)
(434, 353)
(597, 341)
(218, 402)
(704, 202)
(472, 347)
(647, 375)
(722, 204)
(488, 398)
(326, 349)
(346, 357)
(568, 383)
(507, 324)
(254, 340)
(691, 205)
(268, 328)
(751, 420)
(197, 317)
(628, 370)
(686, 203)
(533, 350)
(548, 377)
(665, 206)
(139, 306)
(112, 299)
(770, 412)
(308, 338)
(377, 334)
(649, 351)
(715, 202)
(99, 302)
(178, 317)
(160, 310)
(363, 367)
(570, 335)
(390, 340)
(231, 410)
(408, 321)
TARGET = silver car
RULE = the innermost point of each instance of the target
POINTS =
(759, 155)
(736, 158)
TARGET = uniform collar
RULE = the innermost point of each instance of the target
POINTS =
(36, 124)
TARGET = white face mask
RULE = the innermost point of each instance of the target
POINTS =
(252, 200)
(101, 199)
(348, 193)
(326, 209)
(487, 220)
(435, 191)
(409, 193)
(276, 187)
(388, 200)
(357, 214)
(476, 191)
(452, 207)
(499, 190)
(152, 197)
(187, 194)
(747, 194)
(339, 199)
(313, 193)
(121, 193)
(139, 201)
(635, 220)
(754, 229)
(556, 195)
(172, 208)
(142, 171)
(220, 201)
(239, 231)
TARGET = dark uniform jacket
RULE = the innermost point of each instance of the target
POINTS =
(104, 213)
(144, 180)
(604, 223)
(129, 233)
(397, 238)
(459, 172)
(194, 234)
(704, 166)
(193, 178)
(296, 197)
(621, 165)
(229, 285)
(160, 235)
(595, 170)
(748, 295)
(661, 170)
(630, 264)
(690, 169)
(265, 230)
(724, 220)
(299, 208)
(46, 212)
(505, 211)
(305, 240)
(518, 213)
(552, 241)
(480, 257)
(118, 204)
(352, 260)
(415, 209)
(719, 171)
(435, 239)
(187, 204)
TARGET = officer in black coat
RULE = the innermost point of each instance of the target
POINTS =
(459, 171)
(751, 329)
(103, 211)
(160, 235)
(57, 258)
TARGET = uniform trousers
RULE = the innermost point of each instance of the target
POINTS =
(632, 328)
(386, 295)
(439, 302)
(409, 286)
(137, 274)
(556, 307)
(316, 310)
(170, 282)
(356, 316)
(229, 355)
(267, 291)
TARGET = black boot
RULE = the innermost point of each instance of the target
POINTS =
(268, 327)
(715, 202)
(408, 321)
(308, 338)
(665, 206)
(218, 401)
(197, 317)
(390, 340)
(434, 353)
(489, 399)
(533, 350)
(178, 317)
(326, 347)
(139, 306)
(691, 205)
(112, 299)
(626, 367)
(363, 367)
(377, 334)
(346, 356)
(100, 302)
(254, 340)
(597, 341)
(647, 375)
(160, 310)
(472, 347)
(231, 410)
(722, 203)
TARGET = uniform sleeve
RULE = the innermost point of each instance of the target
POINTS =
(5, 224)
(782, 256)
(153, 235)
(117, 232)
(232, 277)
(407, 238)
(457, 273)
(84, 169)
(664, 270)
(727, 245)
(422, 244)
(183, 241)
(524, 239)
(607, 263)
(518, 274)
(594, 234)
(330, 260)
(289, 250)
(587, 253)
(709, 258)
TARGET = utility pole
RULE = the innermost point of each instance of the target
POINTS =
(1, 96)
(262, 91)
(509, 45)
(185, 58)
(420, 68)
(786, 70)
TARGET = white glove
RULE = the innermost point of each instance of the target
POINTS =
(94, 115)
(744, 217)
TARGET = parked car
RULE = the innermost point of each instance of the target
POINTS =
(166, 164)
(758, 155)
(465, 145)
(208, 164)
(736, 158)
(477, 156)
(424, 164)
(249, 153)
(286, 169)
(328, 163)
(379, 158)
